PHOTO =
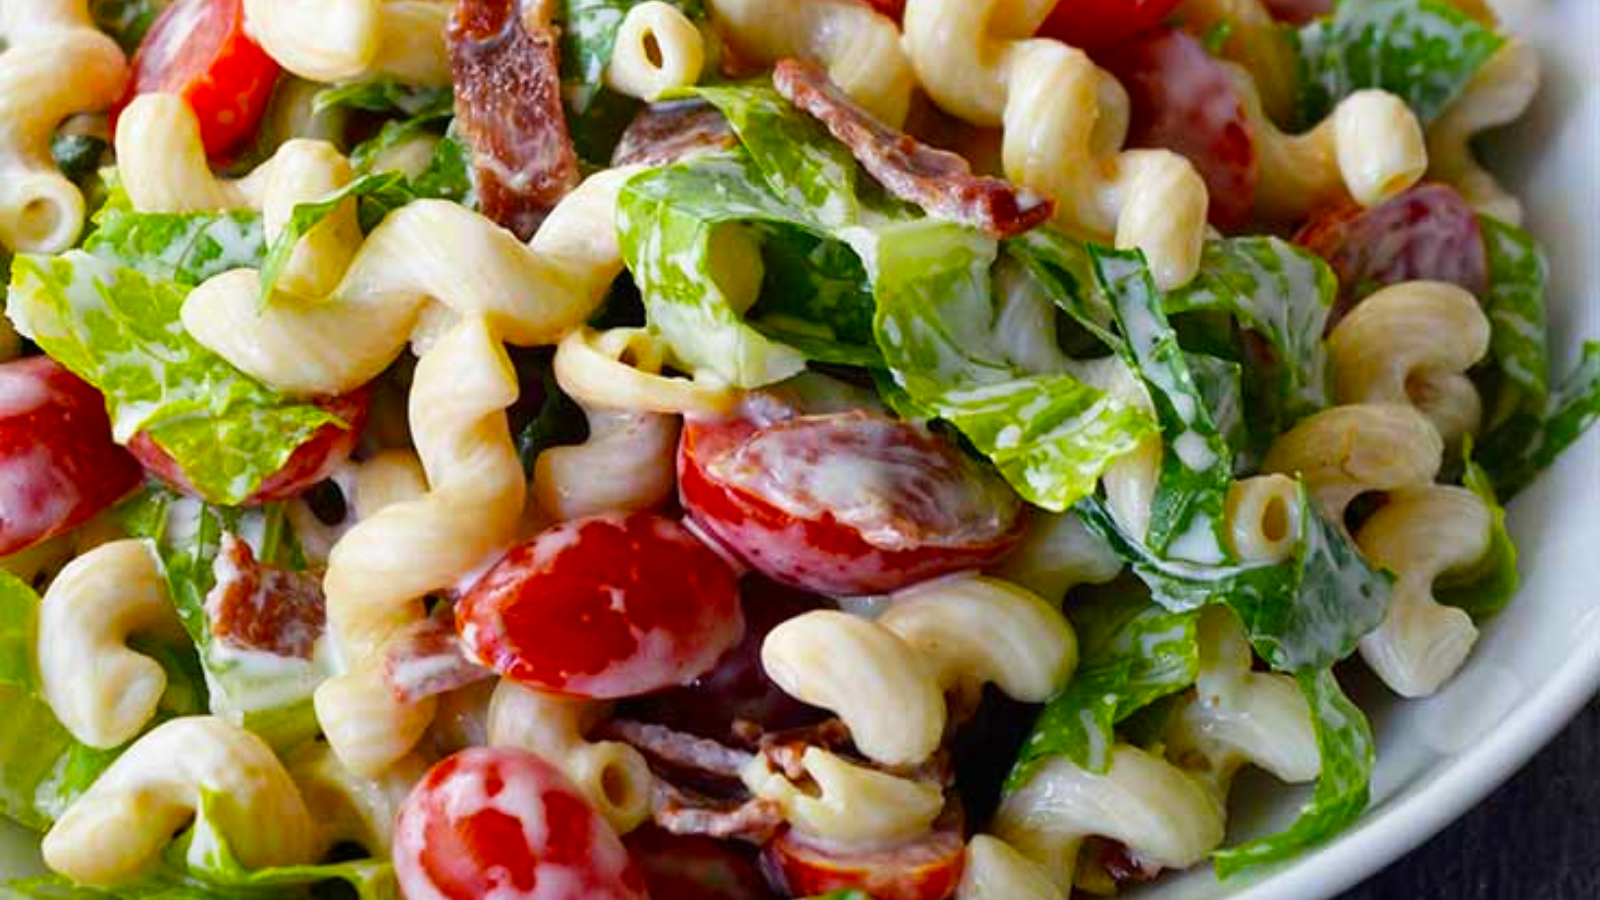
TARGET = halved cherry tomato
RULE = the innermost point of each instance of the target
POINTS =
(841, 504)
(1298, 12)
(198, 49)
(891, 8)
(737, 687)
(310, 463)
(694, 867)
(1184, 101)
(605, 607)
(1091, 24)
(58, 463)
(503, 823)
(925, 868)
(1429, 232)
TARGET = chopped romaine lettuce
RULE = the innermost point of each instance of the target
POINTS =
(186, 248)
(1486, 587)
(389, 96)
(268, 694)
(1423, 51)
(1131, 653)
(1527, 443)
(120, 330)
(377, 193)
(1515, 305)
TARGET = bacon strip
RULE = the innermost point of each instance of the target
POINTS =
(507, 75)
(939, 181)
(668, 132)
(675, 748)
(683, 812)
(428, 659)
(262, 608)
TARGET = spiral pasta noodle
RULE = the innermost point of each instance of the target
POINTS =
(344, 40)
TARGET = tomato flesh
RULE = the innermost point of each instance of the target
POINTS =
(58, 463)
(310, 463)
(842, 504)
(604, 607)
(694, 867)
(1184, 101)
(1092, 24)
(198, 49)
(501, 822)
(925, 868)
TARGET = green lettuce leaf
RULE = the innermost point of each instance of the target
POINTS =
(815, 297)
(1197, 465)
(186, 248)
(1049, 435)
(1282, 294)
(269, 695)
(1348, 752)
(1515, 305)
(1486, 587)
(389, 96)
(126, 20)
(1131, 653)
(42, 767)
(1304, 613)
(1423, 51)
(120, 331)
(1527, 443)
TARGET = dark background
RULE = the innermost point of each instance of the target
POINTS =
(1536, 838)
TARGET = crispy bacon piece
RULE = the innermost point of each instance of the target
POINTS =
(939, 181)
(683, 812)
(507, 73)
(667, 132)
(428, 659)
(676, 749)
(256, 607)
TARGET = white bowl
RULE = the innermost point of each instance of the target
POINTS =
(1539, 661)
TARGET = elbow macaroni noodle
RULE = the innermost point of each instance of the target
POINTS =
(103, 692)
(1064, 122)
(611, 774)
(347, 40)
(887, 679)
(1502, 91)
(56, 64)
(1346, 451)
(994, 870)
(117, 829)
(1413, 343)
(1263, 516)
(1421, 533)
(620, 369)
(860, 49)
(849, 803)
(657, 49)
(625, 465)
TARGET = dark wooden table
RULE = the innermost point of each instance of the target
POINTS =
(1536, 838)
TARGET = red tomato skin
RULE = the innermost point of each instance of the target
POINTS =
(1429, 232)
(464, 833)
(891, 8)
(58, 463)
(694, 867)
(1183, 100)
(198, 49)
(604, 607)
(926, 868)
(820, 554)
(1092, 24)
(1298, 12)
(311, 462)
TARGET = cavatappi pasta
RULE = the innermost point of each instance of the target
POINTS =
(714, 441)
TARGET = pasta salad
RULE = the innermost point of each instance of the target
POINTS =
(742, 449)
